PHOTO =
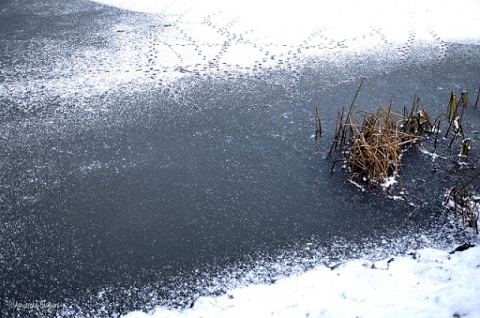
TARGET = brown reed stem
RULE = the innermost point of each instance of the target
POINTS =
(478, 96)
(318, 125)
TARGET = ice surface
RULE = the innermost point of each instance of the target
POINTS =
(181, 38)
(214, 36)
(426, 283)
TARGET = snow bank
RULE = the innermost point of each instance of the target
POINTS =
(425, 283)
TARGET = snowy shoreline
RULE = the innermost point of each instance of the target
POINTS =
(424, 283)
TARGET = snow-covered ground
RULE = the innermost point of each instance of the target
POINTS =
(424, 283)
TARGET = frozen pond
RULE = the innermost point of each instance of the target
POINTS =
(132, 176)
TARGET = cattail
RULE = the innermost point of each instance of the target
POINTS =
(464, 98)
(452, 106)
(465, 147)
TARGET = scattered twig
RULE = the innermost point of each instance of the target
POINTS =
(462, 199)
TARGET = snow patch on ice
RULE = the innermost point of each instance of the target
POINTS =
(181, 39)
(213, 36)
(388, 182)
(289, 22)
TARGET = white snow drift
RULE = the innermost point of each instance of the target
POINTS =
(427, 283)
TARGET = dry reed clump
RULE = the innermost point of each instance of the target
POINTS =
(375, 151)
(372, 145)
(372, 148)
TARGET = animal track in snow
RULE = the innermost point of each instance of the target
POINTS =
(214, 38)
